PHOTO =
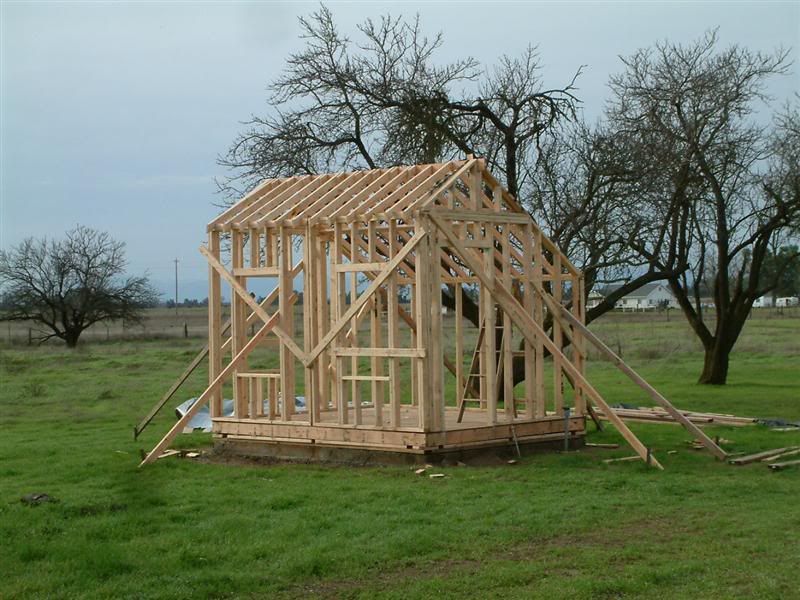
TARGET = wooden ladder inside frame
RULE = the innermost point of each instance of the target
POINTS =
(471, 391)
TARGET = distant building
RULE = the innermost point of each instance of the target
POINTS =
(787, 301)
(651, 296)
(763, 302)
(594, 299)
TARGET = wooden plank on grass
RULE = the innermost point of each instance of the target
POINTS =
(781, 456)
(751, 458)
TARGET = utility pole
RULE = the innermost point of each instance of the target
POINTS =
(176, 286)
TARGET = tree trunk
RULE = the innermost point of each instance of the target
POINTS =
(715, 365)
(71, 338)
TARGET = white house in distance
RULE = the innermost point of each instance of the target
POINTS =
(650, 296)
(763, 302)
(770, 301)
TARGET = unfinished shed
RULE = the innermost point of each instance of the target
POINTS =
(364, 359)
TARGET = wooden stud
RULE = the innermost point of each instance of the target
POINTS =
(286, 358)
(393, 333)
(354, 387)
(558, 379)
(459, 332)
(508, 357)
(528, 294)
(436, 359)
(422, 306)
(489, 362)
(214, 325)
(376, 364)
(338, 299)
(540, 407)
(238, 325)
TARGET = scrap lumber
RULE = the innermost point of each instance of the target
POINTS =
(659, 415)
(168, 453)
(781, 456)
(751, 458)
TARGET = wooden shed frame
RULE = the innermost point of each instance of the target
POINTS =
(347, 243)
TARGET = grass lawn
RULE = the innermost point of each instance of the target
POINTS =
(551, 526)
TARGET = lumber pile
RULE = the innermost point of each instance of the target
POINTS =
(769, 457)
(656, 414)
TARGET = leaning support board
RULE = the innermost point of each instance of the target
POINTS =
(533, 332)
(562, 313)
(204, 397)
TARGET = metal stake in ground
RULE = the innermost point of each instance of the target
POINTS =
(566, 429)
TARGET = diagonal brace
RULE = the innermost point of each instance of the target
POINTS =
(532, 330)
(206, 395)
(384, 274)
(255, 306)
(566, 318)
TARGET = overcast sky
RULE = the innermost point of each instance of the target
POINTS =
(113, 114)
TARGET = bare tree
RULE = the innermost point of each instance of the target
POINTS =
(586, 190)
(384, 101)
(67, 286)
(727, 184)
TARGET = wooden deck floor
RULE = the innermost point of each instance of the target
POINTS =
(409, 417)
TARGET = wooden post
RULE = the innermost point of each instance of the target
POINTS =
(238, 327)
(393, 332)
(558, 381)
(459, 331)
(354, 384)
(284, 307)
(376, 370)
(422, 306)
(338, 296)
(436, 350)
(322, 384)
(508, 357)
(538, 316)
(489, 362)
(578, 343)
(528, 296)
(214, 326)
(309, 320)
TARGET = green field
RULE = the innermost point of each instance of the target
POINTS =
(551, 526)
